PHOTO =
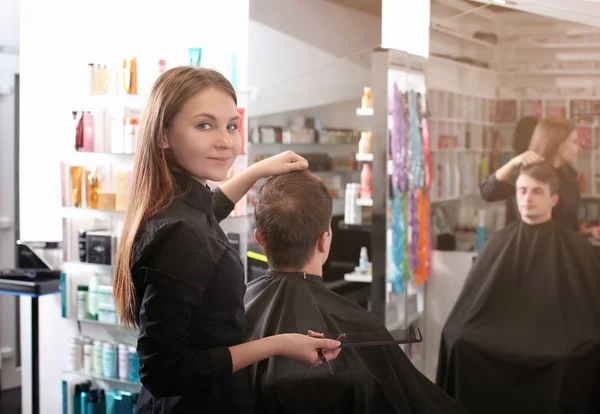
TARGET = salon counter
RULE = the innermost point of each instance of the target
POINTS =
(449, 270)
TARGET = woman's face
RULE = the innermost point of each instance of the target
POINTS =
(567, 152)
(204, 137)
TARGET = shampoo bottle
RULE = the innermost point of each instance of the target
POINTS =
(363, 262)
(365, 182)
(92, 402)
(481, 231)
(77, 399)
(85, 389)
(93, 299)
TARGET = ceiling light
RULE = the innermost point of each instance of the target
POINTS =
(499, 1)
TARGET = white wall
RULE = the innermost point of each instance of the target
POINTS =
(294, 52)
(9, 23)
(54, 55)
(9, 66)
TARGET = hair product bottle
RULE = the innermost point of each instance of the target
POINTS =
(365, 182)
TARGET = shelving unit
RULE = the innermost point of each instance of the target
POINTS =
(103, 218)
(320, 134)
(585, 112)
(99, 378)
(403, 309)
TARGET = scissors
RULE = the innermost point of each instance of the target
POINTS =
(324, 360)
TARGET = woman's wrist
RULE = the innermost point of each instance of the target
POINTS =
(255, 171)
(276, 344)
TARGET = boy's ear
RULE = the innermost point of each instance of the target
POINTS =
(258, 238)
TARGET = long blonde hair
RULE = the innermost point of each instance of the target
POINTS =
(548, 136)
(153, 188)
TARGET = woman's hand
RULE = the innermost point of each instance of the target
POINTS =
(595, 233)
(280, 164)
(525, 159)
(314, 334)
(303, 348)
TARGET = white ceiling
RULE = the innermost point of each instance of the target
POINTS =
(579, 11)
(366, 6)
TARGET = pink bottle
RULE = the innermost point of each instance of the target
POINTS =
(365, 182)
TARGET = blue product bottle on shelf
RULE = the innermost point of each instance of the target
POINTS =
(92, 402)
(127, 402)
(481, 230)
(134, 400)
(85, 389)
(134, 365)
(110, 360)
(77, 399)
(102, 402)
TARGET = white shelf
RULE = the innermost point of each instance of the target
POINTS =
(443, 60)
(520, 45)
(364, 111)
(553, 72)
(109, 325)
(462, 36)
(78, 212)
(463, 121)
(299, 144)
(443, 199)
(358, 277)
(369, 158)
(364, 157)
(101, 378)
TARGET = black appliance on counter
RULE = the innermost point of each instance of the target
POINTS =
(33, 278)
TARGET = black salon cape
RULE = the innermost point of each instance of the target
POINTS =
(375, 380)
(524, 334)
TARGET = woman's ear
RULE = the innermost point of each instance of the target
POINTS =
(164, 140)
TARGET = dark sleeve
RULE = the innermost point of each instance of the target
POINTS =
(174, 287)
(492, 189)
(222, 206)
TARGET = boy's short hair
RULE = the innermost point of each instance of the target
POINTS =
(544, 173)
(292, 211)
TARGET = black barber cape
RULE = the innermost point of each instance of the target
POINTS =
(524, 334)
(376, 380)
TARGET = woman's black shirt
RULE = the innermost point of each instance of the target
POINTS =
(189, 286)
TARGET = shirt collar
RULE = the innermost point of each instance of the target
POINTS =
(299, 275)
(193, 192)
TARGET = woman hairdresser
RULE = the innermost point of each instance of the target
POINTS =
(554, 140)
(177, 277)
(521, 140)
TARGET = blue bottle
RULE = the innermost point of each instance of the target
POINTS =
(481, 230)
(134, 400)
(92, 402)
(110, 361)
(134, 365)
(85, 389)
(77, 399)
(102, 402)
